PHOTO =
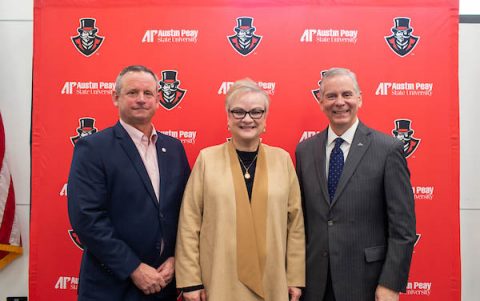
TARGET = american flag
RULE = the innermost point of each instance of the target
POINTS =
(10, 242)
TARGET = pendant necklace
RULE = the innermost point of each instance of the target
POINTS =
(246, 175)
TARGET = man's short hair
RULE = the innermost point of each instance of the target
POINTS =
(132, 68)
(336, 71)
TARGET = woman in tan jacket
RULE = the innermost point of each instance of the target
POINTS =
(241, 233)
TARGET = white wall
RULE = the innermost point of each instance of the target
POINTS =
(16, 26)
(469, 75)
(469, 7)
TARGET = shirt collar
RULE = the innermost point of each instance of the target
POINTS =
(347, 136)
(138, 135)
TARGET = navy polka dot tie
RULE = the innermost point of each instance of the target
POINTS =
(335, 168)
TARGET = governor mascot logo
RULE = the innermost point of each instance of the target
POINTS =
(244, 41)
(87, 42)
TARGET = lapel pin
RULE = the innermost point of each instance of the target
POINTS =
(164, 150)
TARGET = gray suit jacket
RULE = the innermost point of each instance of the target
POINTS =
(367, 233)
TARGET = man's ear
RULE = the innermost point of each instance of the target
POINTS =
(115, 98)
(320, 103)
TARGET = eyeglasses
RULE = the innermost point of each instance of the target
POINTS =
(240, 114)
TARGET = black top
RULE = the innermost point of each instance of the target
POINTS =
(247, 159)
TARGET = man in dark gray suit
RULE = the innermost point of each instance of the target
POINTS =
(358, 202)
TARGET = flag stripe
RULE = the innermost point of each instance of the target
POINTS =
(8, 217)
(10, 241)
(2, 140)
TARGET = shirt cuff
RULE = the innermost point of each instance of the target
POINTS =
(192, 288)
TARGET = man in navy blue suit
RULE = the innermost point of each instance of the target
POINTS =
(124, 194)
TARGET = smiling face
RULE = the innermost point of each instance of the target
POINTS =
(246, 131)
(340, 101)
(137, 99)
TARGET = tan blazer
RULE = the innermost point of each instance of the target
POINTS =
(241, 250)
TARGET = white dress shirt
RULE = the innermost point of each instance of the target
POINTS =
(148, 152)
(345, 147)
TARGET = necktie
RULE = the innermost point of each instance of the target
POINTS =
(335, 168)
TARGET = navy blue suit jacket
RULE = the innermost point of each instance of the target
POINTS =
(114, 210)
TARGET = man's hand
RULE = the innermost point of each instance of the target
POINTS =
(385, 294)
(147, 279)
(198, 295)
(294, 293)
(167, 270)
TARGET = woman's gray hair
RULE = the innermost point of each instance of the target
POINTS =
(244, 86)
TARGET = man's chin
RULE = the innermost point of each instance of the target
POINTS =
(139, 120)
(341, 120)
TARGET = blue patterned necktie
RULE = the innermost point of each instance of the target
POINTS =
(335, 167)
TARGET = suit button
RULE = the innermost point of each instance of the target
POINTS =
(330, 223)
(325, 254)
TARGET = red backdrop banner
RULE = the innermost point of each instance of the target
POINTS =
(405, 56)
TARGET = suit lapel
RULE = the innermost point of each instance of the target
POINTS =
(132, 152)
(320, 162)
(360, 144)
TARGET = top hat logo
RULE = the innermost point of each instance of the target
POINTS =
(316, 92)
(170, 93)
(87, 124)
(402, 41)
(244, 23)
(244, 41)
(401, 24)
(86, 128)
(402, 126)
(404, 133)
(87, 24)
(87, 42)
(170, 76)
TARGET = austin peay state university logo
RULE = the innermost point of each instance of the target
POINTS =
(244, 41)
(170, 93)
(87, 42)
(316, 92)
(401, 41)
(404, 133)
(86, 128)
